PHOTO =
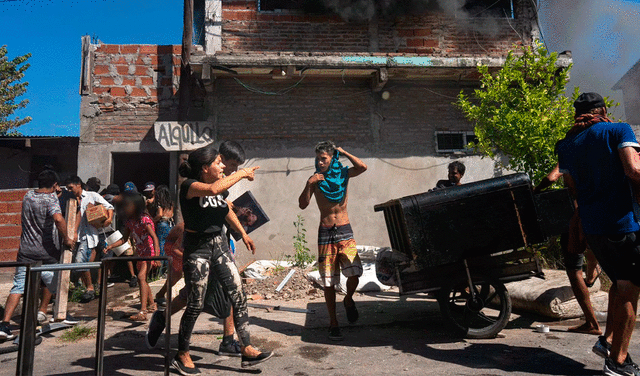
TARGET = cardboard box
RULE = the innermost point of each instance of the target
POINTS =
(96, 215)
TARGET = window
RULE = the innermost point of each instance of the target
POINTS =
(451, 142)
(488, 8)
(306, 6)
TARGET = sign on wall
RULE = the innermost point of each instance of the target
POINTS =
(178, 136)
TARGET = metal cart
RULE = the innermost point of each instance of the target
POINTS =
(464, 243)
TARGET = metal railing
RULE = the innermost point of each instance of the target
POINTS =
(26, 347)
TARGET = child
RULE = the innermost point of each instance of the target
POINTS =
(140, 226)
(336, 246)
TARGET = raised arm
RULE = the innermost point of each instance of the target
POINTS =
(358, 165)
(234, 222)
(199, 189)
(305, 197)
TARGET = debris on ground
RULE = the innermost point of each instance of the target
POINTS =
(298, 286)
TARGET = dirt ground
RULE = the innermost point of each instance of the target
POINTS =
(394, 336)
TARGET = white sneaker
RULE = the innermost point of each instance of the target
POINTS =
(70, 320)
(42, 317)
(110, 284)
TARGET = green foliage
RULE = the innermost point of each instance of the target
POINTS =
(521, 111)
(77, 333)
(302, 255)
(11, 87)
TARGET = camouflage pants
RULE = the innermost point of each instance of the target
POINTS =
(202, 259)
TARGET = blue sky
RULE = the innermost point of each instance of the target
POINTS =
(51, 30)
(603, 36)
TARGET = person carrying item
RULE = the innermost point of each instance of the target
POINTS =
(87, 234)
(206, 250)
(336, 245)
(601, 167)
(232, 155)
(42, 223)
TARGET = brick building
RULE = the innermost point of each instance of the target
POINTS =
(279, 76)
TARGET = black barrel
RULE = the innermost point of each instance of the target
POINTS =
(450, 224)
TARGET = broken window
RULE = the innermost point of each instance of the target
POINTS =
(488, 8)
(451, 142)
(306, 6)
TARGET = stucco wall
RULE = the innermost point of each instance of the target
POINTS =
(280, 181)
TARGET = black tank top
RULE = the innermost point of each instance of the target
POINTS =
(205, 215)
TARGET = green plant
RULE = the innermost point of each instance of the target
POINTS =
(302, 255)
(77, 333)
(75, 295)
(521, 111)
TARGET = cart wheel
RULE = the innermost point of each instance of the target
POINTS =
(482, 317)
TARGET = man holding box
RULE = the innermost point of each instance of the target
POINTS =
(87, 231)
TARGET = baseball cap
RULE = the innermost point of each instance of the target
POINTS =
(149, 186)
(587, 102)
(113, 189)
(130, 187)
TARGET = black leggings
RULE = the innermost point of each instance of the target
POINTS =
(202, 257)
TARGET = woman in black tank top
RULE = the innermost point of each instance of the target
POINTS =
(206, 251)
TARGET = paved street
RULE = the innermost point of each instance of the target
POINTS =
(393, 337)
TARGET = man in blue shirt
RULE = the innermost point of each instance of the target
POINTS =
(601, 166)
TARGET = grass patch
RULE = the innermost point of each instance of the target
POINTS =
(75, 295)
(77, 333)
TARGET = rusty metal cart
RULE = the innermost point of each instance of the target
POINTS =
(464, 243)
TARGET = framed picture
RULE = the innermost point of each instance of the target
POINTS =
(249, 213)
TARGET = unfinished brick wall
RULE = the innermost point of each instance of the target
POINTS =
(347, 112)
(132, 86)
(247, 30)
(10, 222)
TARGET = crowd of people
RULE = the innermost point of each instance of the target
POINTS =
(598, 160)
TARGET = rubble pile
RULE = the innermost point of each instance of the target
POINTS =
(298, 287)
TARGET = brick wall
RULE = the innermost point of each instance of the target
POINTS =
(132, 86)
(246, 30)
(347, 112)
(10, 210)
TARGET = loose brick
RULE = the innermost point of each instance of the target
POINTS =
(109, 48)
(101, 69)
(129, 49)
(117, 92)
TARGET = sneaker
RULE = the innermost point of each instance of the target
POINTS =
(70, 320)
(5, 331)
(602, 348)
(334, 334)
(110, 285)
(182, 369)
(248, 361)
(42, 317)
(156, 327)
(133, 282)
(628, 368)
(230, 349)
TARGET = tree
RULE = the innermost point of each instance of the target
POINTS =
(11, 88)
(522, 111)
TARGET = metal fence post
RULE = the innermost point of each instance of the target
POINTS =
(102, 308)
(27, 341)
(167, 336)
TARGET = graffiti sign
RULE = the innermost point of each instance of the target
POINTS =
(178, 136)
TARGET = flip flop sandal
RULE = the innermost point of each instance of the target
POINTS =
(590, 285)
(139, 317)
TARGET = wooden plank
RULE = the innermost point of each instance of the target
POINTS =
(62, 294)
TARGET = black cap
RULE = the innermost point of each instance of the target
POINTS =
(113, 189)
(587, 102)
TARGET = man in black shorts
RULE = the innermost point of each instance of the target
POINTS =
(601, 165)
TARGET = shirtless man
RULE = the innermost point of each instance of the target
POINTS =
(336, 246)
